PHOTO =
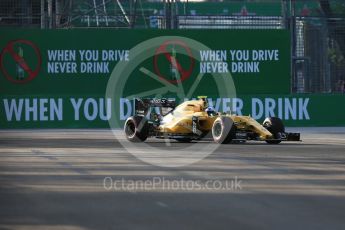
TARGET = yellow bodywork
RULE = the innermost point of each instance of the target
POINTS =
(249, 124)
(180, 120)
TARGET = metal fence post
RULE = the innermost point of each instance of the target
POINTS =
(42, 14)
(293, 43)
(50, 14)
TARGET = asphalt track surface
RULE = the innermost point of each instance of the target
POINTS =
(65, 179)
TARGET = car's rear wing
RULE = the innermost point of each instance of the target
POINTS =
(143, 105)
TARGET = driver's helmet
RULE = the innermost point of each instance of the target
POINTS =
(210, 110)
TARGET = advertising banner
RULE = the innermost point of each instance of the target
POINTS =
(66, 62)
(83, 78)
(92, 111)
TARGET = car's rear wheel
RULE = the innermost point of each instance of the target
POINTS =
(136, 129)
(275, 126)
(223, 130)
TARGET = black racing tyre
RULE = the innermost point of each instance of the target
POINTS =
(136, 129)
(223, 130)
(275, 126)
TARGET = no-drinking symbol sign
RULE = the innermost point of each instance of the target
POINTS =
(16, 65)
(181, 72)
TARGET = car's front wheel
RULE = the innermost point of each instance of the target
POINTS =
(275, 126)
(223, 130)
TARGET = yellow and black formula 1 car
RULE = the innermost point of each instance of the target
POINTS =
(194, 120)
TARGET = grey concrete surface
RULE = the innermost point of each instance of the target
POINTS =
(85, 179)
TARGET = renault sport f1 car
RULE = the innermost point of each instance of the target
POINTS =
(195, 120)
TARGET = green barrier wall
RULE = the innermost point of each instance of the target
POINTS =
(92, 112)
(58, 78)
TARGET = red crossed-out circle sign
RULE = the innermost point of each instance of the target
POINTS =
(9, 50)
(184, 73)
